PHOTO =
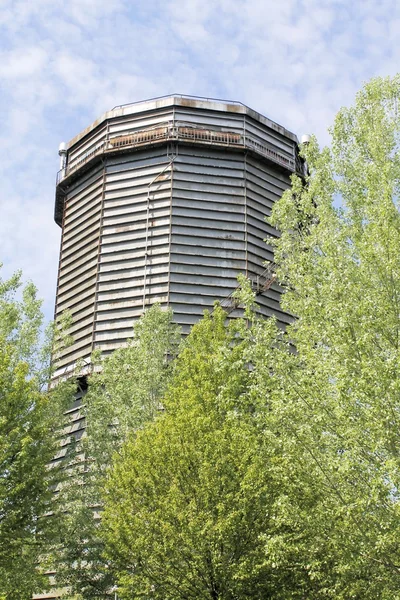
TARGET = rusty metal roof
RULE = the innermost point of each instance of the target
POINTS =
(212, 104)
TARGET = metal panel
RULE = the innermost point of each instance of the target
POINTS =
(78, 262)
(78, 153)
(167, 204)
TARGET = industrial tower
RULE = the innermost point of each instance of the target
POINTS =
(165, 201)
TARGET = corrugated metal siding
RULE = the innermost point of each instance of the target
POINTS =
(86, 146)
(208, 229)
(136, 122)
(78, 264)
(264, 186)
(134, 243)
(168, 222)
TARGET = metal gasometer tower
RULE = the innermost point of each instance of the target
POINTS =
(165, 201)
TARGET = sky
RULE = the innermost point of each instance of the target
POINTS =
(64, 63)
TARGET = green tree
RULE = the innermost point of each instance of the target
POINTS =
(288, 441)
(337, 397)
(124, 393)
(196, 495)
(30, 416)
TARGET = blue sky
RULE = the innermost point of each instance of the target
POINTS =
(63, 63)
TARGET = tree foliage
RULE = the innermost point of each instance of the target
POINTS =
(29, 419)
(274, 471)
(123, 395)
(258, 464)
(128, 390)
(340, 392)
(196, 496)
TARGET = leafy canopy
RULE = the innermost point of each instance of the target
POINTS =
(274, 472)
(340, 392)
(123, 395)
(194, 497)
(29, 419)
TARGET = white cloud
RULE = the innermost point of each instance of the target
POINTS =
(20, 63)
(64, 63)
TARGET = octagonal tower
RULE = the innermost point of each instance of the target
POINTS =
(165, 201)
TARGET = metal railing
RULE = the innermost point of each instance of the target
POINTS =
(260, 284)
(175, 131)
